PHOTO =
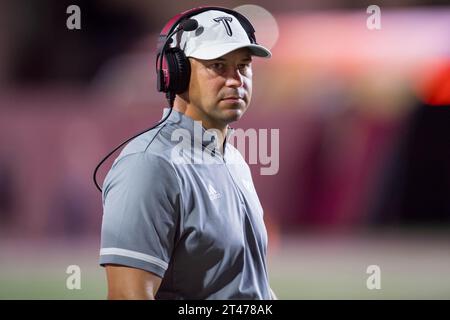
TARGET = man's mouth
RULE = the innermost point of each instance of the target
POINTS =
(233, 98)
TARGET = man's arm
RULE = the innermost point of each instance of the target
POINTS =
(127, 283)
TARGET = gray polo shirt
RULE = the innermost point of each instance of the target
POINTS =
(196, 223)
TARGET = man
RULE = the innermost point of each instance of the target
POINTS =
(176, 226)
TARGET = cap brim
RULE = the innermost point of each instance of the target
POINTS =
(214, 52)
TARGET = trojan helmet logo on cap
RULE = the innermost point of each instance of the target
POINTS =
(226, 24)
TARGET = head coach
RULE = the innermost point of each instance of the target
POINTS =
(188, 229)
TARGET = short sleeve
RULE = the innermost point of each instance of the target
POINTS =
(141, 207)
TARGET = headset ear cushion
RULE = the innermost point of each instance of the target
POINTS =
(178, 71)
(182, 70)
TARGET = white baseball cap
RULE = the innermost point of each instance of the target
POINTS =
(217, 34)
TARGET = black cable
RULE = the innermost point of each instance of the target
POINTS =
(170, 98)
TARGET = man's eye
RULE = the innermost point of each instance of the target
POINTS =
(244, 66)
(218, 66)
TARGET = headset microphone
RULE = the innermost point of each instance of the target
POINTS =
(189, 25)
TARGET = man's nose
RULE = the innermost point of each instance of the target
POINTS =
(234, 78)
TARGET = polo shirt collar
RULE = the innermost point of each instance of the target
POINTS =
(189, 124)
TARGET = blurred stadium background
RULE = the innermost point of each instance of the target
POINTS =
(364, 173)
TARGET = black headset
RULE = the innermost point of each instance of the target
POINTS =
(173, 68)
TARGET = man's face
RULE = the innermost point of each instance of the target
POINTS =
(220, 90)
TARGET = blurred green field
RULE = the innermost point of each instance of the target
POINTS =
(413, 266)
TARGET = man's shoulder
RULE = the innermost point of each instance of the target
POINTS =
(143, 161)
(151, 145)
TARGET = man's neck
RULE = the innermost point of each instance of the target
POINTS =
(194, 113)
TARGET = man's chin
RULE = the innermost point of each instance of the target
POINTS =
(233, 107)
(232, 114)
